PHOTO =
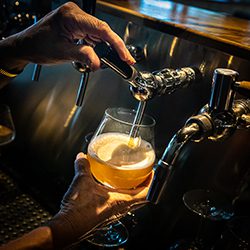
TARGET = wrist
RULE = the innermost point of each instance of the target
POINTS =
(11, 59)
(61, 231)
(39, 238)
(67, 228)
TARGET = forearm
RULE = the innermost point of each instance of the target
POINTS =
(11, 58)
(11, 61)
(40, 238)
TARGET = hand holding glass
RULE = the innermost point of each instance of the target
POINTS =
(121, 161)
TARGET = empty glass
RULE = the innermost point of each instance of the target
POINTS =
(208, 205)
(236, 236)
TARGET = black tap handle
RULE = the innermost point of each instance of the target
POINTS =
(110, 58)
(223, 92)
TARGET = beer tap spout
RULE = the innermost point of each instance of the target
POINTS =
(144, 85)
(216, 121)
(163, 169)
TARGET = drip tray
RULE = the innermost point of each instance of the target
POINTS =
(19, 212)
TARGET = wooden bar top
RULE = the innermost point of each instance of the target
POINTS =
(212, 29)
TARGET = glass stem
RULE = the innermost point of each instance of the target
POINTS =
(198, 236)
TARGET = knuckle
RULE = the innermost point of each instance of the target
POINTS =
(69, 5)
(104, 27)
(79, 161)
(119, 43)
(66, 9)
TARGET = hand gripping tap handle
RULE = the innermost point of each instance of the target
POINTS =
(110, 58)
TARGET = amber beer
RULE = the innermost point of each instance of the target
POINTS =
(117, 164)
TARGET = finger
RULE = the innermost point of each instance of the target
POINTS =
(94, 38)
(99, 29)
(142, 189)
(138, 205)
(117, 43)
(148, 180)
(139, 194)
(81, 155)
(82, 164)
(87, 55)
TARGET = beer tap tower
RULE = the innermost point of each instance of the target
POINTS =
(216, 121)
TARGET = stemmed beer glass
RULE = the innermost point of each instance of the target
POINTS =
(7, 129)
(209, 205)
(119, 160)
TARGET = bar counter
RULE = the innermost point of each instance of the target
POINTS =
(50, 131)
(215, 30)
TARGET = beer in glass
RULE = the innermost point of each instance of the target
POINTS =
(116, 159)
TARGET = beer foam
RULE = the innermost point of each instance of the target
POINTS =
(113, 149)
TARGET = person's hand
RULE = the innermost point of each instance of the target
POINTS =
(88, 204)
(52, 40)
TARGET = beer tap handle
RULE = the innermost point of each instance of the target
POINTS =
(110, 58)
(82, 88)
(84, 70)
(243, 88)
(243, 85)
(89, 7)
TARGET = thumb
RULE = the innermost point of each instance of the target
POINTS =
(82, 164)
(86, 55)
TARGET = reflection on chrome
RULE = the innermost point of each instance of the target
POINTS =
(216, 121)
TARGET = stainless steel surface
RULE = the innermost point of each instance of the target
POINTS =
(217, 122)
(50, 132)
(37, 67)
(136, 51)
(196, 127)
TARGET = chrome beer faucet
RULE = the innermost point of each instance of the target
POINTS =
(146, 85)
(143, 85)
(216, 121)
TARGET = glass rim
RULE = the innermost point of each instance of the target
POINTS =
(4, 107)
(132, 111)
